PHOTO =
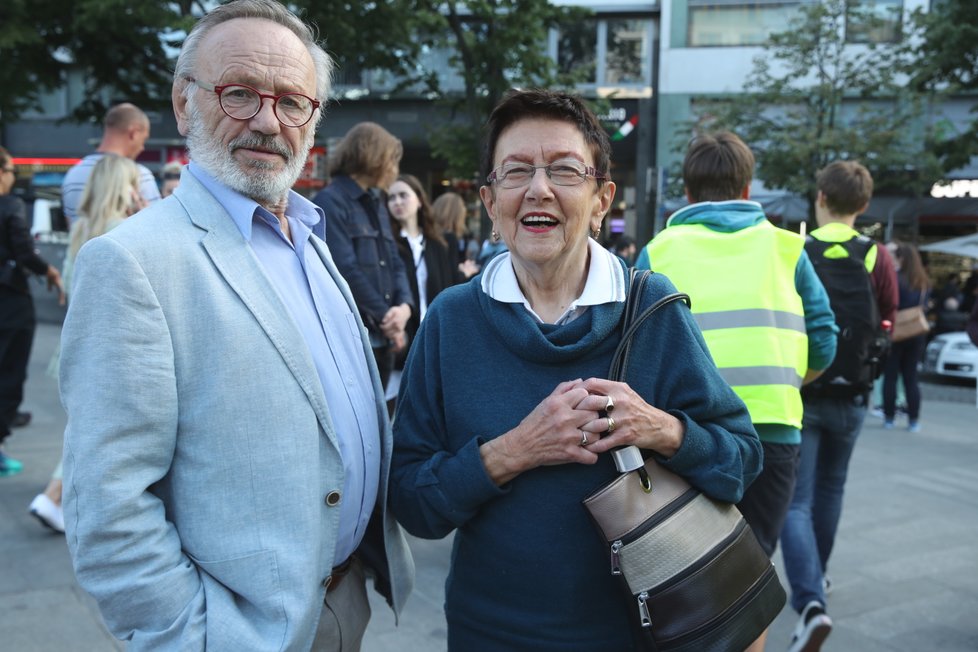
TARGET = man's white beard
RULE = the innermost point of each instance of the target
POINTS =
(257, 179)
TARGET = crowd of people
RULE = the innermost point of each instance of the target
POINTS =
(305, 368)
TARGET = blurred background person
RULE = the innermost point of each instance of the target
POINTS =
(171, 178)
(18, 260)
(430, 265)
(126, 129)
(625, 248)
(914, 287)
(450, 212)
(358, 232)
(111, 194)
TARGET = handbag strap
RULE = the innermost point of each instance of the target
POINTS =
(631, 322)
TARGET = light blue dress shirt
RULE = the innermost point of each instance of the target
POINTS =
(330, 330)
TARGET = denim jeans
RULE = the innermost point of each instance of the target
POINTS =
(829, 431)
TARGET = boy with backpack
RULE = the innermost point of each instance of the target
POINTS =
(860, 279)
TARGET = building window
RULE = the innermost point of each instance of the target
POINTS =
(874, 21)
(606, 51)
(717, 23)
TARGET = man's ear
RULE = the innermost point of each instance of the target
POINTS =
(180, 105)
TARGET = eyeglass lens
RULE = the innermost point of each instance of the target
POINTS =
(562, 173)
(242, 103)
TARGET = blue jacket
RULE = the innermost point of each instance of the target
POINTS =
(358, 232)
(529, 571)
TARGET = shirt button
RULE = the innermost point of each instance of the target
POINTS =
(387, 297)
(383, 263)
(333, 498)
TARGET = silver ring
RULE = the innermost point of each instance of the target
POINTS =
(611, 424)
(584, 441)
(610, 405)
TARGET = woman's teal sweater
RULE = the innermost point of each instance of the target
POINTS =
(529, 571)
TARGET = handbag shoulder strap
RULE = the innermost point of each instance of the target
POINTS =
(632, 321)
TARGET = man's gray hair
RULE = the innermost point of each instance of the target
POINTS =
(264, 9)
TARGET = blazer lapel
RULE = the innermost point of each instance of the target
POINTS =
(237, 264)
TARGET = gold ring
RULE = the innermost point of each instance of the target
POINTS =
(610, 405)
(611, 424)
(584, 441)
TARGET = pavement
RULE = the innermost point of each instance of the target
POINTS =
(904, 570)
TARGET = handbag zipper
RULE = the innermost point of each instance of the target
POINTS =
(768, 576)
(708, 557)
(678, 503)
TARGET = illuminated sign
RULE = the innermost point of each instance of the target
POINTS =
(955, 189)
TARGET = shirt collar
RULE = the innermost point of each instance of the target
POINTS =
(605, 282)
(243, 209)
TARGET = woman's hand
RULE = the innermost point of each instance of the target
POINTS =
(551, 434)
(631, 421)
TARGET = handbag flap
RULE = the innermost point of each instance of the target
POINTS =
(622, 505)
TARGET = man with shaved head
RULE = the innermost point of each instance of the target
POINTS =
(126, 129)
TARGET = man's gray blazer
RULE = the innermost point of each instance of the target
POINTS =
(199, 447)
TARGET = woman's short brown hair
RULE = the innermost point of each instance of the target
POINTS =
(717, 167)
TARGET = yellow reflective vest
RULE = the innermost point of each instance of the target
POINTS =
(742, 286)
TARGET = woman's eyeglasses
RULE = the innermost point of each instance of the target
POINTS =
(567, 172)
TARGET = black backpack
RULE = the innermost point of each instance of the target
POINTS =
(862, 343)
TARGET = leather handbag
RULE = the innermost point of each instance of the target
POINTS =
(910, 322)
(696, 577)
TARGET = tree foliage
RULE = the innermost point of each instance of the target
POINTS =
(120, 48)
(943, 50)
(493, 45)
(812, 98)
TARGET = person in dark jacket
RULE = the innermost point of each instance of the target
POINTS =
(357, 230)
(18, 259)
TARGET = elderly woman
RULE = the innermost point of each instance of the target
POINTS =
(506, 461)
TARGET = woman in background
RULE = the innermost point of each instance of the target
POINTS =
(449, 212)
(907, 354)
(429, 262)
(111, 195)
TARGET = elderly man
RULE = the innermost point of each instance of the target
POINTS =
(126, 129)
(227, 448)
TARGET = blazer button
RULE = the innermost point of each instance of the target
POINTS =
(333, 498)
(383, 263)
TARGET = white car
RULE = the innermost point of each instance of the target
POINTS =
(952, 354)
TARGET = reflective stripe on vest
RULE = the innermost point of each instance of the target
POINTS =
(742, 285)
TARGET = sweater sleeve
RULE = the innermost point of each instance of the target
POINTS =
(433, 488)
(819, 318)
(884, 280)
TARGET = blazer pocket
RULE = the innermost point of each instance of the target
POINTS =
(244, 601)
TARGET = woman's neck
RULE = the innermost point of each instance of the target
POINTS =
(410, 225)
(550, 290)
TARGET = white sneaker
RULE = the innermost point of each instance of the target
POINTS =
(812, 629)
(49, 514)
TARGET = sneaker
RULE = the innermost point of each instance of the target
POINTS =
(21, 419)
(878, 413)
(49, 514)
(914, 426)
(9, 466)
(812, 629)
(826, 584)
(888, 425)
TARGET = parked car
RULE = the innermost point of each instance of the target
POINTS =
(952, 354)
